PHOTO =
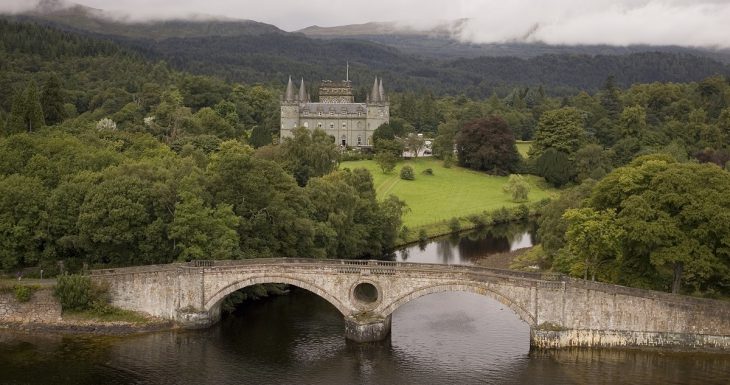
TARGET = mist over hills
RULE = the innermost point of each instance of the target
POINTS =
(445, 40)
(409, 58)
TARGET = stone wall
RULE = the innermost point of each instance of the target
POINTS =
(42, 307)
(562, 312)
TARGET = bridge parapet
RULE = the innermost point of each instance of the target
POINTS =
(561, 311)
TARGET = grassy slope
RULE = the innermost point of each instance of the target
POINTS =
(523, 147)
(450, 192)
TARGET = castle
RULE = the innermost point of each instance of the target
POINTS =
(351, 124)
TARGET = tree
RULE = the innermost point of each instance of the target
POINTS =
(551, 224)
(562, 130)
(555, 167)
(517, 187)
(676, 219)
(22, 221)
(202, 232)
(443, 146)
(592, 161)
(414, 143)
(26, 113)
(106, 124)
(33, 110)
(309, 155)
(633, 122)
(610, 99)
(386, 161)
(52, 101)
(594, 240)
(487, 144)
(212, 123)
(260, 136)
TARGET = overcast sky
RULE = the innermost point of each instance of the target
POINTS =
(620, 22)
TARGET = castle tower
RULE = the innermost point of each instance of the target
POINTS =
(289, 110)
(377, 106)
(351, 124)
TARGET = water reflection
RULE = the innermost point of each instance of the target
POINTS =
(470, 247)
(460, 338)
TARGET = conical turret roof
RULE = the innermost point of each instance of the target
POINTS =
(381, 91)
(302, 92)
(375, 93)
(289, 96)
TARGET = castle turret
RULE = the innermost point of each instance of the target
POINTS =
(302, 93)
(381, 91)
(375, 94)
(289, 96)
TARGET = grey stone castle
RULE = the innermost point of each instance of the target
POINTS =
(351, 124)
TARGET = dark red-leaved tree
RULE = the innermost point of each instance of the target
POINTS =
(487, 144)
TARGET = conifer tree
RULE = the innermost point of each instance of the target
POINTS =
(16, 121)
(33, 111)
(52, 101)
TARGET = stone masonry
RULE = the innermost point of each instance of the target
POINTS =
(42, 307)
(560, 311)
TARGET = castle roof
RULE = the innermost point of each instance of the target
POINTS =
(289, 96)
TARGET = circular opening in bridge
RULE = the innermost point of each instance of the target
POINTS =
(366, 292)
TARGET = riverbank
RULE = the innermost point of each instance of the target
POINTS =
(41, 311)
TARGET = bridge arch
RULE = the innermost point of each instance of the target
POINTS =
(240, 284)
(464, 287)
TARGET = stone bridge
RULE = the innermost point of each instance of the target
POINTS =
(561, 311)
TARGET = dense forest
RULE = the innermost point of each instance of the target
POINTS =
(108, 157)
(252, 52)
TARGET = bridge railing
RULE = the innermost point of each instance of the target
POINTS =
(374, 267)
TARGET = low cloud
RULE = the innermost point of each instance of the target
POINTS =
(616, 22)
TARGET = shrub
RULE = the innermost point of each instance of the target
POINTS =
(77, 292)
(386, 160)
(406, 173)
(454, 225)
(517, 187)
(23, 293)
(448, 161)
(427, 171)
(404, 232)
(422, 235)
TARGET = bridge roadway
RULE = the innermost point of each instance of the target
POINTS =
(560, 311)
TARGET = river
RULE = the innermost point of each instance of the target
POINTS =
(458, 338)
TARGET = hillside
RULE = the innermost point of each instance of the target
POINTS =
(443, 41)
(250, 52)
(94, 20)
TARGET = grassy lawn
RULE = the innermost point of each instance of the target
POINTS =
(523, 147)
(450, 192)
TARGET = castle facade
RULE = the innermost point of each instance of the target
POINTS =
(351, 124)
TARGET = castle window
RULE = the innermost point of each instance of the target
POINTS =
(306, 124)
(332, 112)
(344, 125)
(359, 140)
(319, 125)
(319, 113)
(332, 125)
(359, 125)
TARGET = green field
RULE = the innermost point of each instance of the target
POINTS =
(450, 192)
(523, 147)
